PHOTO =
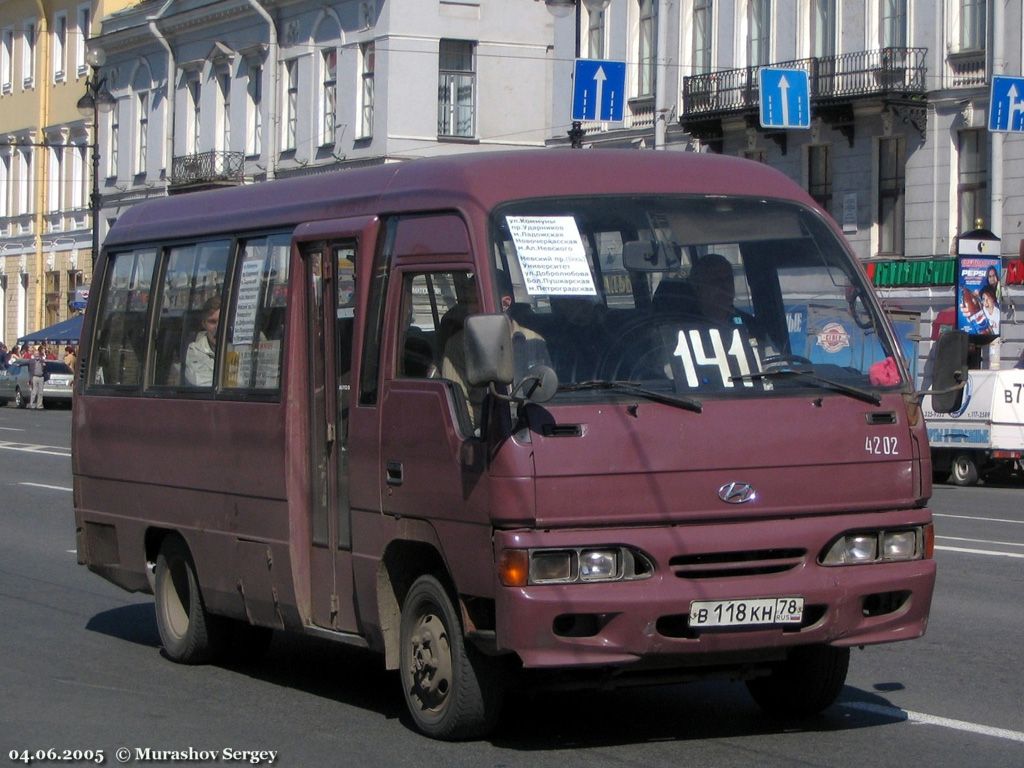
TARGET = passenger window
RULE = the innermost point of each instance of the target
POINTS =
(185, 339)
(434, 309)
(121, 325)
(255, 337)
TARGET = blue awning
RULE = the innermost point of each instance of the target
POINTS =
(64, 332)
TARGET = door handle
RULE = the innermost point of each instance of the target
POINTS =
(393, 473)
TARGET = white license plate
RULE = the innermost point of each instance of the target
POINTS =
(742, 613)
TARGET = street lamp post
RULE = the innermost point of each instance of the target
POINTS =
(561, 9)
(96, 99)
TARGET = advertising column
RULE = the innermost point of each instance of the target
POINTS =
(978, 274)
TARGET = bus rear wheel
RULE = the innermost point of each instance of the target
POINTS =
(804, 684)
(190, 635)
(451, 690)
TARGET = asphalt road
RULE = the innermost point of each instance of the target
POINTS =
(81, 669)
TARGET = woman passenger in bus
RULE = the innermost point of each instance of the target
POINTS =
(202, 352)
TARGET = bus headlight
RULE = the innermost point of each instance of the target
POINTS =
(520, 567)
(876, 546)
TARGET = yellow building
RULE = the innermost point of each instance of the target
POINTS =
(45, 159)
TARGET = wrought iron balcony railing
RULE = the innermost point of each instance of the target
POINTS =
(208, 168)
(887, 73)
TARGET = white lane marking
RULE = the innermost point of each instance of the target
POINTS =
(980, 541)
(51, 487)
(944, 722)
(48, 450)
(975, 517)
(12, 429)
(979, 551)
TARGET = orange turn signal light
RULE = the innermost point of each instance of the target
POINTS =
(929, 541)
(514, 567)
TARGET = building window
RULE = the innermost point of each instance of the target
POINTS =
(972, 25)
(28, 54)
(5, 186)
(456, 89)
(54, 197)
(254, 112)
(366, 95)
(224, 81)
(7, 61)
(142, 139)
(823, 28)
(891, 187)
(195, 92)
(972, 179)
(703, 34)
(52, 282)
(329, 96)
(291, 104)
(25, 196)
(759, 30)
(894, 23)
(60, 47)
(83, 32)
(79, 186)
(646, 48)
(595, 34)
(114, 142)
(819, 175)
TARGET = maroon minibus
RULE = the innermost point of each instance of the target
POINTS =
(605, 417)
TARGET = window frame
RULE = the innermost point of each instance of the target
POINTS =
(451, 82)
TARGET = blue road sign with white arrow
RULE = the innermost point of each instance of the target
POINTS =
(598, 89)
(785, 98)
(1006, 105)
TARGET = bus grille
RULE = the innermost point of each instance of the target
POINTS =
(718, 565)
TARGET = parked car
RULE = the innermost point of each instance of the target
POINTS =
(15, 383)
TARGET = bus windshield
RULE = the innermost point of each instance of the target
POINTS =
(690, 295)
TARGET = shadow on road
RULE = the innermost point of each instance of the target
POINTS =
(532, 720)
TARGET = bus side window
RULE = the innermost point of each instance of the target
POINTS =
(256, 318)
(190, 291)
(122, 324)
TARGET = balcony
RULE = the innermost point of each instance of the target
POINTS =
(895, 76)
(205, 170)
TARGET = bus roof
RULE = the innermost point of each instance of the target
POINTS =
(482, 179)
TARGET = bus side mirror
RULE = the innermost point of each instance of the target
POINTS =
(489, 350)
(950, 372)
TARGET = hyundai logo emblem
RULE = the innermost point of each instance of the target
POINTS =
(737, 493)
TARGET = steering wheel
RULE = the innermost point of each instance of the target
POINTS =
(783, 359)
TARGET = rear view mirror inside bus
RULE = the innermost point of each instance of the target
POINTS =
(649, 256)
(950, 372)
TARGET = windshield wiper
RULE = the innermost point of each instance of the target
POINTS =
(687, 403)
(811, 377)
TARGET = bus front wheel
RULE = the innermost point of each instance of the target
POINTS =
(964, 470)
(452, 691)
(188, 632)
(806, 683)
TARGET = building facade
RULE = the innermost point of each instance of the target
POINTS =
(215, 92)
(45, 146)
(898, 149)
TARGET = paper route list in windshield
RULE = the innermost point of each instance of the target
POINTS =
(551, 255)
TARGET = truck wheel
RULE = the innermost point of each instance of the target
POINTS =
(190, 635)
(964, 470)
(803, 685)
(451, 690)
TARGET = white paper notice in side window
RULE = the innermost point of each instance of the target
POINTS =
(551, 255)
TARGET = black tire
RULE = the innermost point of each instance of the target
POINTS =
(806, 683)
(189, 634)
(452, 691)
(19, 399)
(964, 470)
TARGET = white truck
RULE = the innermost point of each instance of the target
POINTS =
(986, 435)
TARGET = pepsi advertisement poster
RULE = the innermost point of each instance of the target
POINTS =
(977, 289)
